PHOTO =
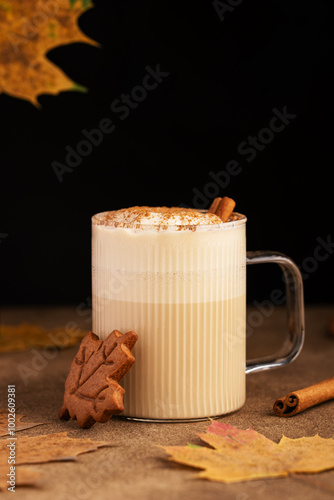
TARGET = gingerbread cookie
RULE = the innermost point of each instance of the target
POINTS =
(92, 393)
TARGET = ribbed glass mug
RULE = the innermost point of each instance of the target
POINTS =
(182, 289)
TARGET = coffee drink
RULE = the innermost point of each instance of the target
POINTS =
(177, 277)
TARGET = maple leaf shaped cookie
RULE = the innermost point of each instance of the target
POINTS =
(92, 393)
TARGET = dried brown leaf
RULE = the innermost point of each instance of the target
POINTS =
(49, 448)
(40, 449)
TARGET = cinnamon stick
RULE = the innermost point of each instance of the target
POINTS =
(214, 205)
(223, 207)
(298, 401)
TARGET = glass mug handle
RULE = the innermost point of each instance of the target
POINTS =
(295, 306)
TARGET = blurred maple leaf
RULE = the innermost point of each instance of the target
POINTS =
(27, 335)
(240, 455)
(28, 30)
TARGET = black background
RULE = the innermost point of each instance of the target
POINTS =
(225, 78)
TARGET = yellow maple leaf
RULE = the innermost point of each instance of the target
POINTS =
(28, 30)
(241, 455)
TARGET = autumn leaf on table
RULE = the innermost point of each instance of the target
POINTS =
(19, 426)
(50, 448)
(28, 30)
(241, 455)
(45, 448)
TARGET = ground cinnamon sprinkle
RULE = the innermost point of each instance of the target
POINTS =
(127, 217)
(175, 217)
(168, 216)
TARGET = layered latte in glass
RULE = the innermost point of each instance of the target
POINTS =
(177, 277)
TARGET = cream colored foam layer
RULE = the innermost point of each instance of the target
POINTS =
(184, 266)
(156, 216)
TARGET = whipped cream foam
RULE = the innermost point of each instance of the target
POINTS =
(156, 216)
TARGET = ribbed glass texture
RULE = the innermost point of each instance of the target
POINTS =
(183, 292)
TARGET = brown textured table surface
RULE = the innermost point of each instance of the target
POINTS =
(134, 467)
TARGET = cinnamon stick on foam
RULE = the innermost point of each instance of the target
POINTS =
(214, 205)
(298, 401)
(223, 207)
